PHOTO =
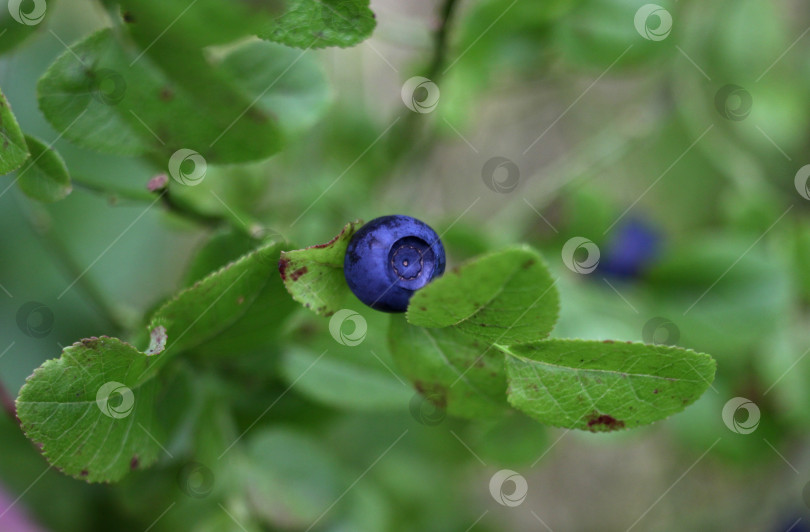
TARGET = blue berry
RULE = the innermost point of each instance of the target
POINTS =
(391, 257)
(635, 246)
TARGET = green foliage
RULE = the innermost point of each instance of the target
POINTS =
(229, 375)
(460, 327)
(115, 102)
(70, 393)
(138, 89)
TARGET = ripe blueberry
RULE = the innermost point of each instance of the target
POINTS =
(391, 257)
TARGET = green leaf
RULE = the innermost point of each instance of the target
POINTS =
(216, 302)
(314, 276)
(345, 377)
(258, 327)
(106, 98)
(44, 177)
(286, 82)
(604, 386)
(320, 23)
(92, 410)
(196, 24)
(291, 479)
(507, 297)
(13, 148)
(459, 374)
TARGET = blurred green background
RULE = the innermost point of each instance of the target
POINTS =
(608, 130)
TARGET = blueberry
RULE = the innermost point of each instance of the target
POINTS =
(635, 246)
(391, 257)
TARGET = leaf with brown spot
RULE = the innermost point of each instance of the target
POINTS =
(75, 407)
(314, 276)
(445, 363)
(597, 386)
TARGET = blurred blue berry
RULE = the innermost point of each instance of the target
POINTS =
(634, 246)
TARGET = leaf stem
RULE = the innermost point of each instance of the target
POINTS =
(186, 211)
(172, 204)
(111, 194)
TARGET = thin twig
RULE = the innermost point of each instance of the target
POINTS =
(440, 39)
(406, 143)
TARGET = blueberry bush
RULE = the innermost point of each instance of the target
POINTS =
(184, 349)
